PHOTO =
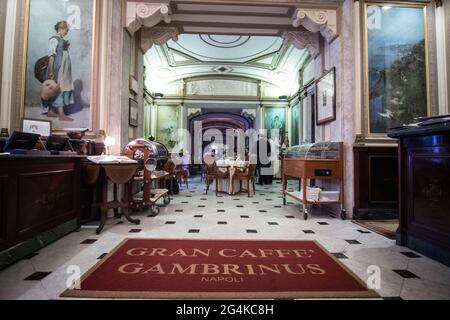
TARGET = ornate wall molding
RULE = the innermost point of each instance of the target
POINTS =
(193, 112)
(146, 14)
(157, 36)
(303, 40)
(323, 21)
(249, 113)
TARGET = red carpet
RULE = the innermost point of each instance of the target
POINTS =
(189, 269)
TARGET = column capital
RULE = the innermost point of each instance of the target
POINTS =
(303, 40)
(158, 36)
(146, 14)
(323, 21)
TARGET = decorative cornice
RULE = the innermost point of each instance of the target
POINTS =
(194, 112)
(249, 113)
(323, 21)
(303, 40)
(146, 14)
(157, 36)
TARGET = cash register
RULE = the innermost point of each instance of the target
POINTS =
(23, 143)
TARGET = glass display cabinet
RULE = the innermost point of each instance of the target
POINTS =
(313, 165)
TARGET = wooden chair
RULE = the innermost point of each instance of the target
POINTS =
(169, 167)
(181, 173)
(221, 175)
(248, 175)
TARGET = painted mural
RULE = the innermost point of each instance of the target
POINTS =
(59, 45)
(397, 66)
(167, 126)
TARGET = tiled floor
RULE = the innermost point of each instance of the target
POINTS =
(193, 215)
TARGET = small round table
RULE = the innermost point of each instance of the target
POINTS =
(118, 174)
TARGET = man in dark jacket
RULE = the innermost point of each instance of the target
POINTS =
(264, 164)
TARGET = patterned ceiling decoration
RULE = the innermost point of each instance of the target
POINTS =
(262, 58)
(191, 48)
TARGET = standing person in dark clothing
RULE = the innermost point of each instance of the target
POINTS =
(264, 164)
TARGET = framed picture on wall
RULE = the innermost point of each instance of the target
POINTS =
(326, 98)
(275, 122)
(59, 62)
(41, 127)
(134, 113)
(134, 85)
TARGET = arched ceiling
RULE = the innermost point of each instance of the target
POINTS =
(225, 48)
(263, 58)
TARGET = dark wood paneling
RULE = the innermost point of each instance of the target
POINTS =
(37, 194)
(425, 194)
(376, 182)
(3, 208)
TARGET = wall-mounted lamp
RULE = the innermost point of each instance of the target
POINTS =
(159, 95)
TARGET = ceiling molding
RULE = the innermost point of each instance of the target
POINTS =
(157, 36)
(146, 14)
(323, 21)
(303, 40)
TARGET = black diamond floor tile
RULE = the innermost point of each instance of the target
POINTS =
(406, 274)
(89, 241)
(273, 224)
(340, 255)
(194, 231)
(171, 222)
(102, 256)
(353, 241)
(252, 231)
(364, 231)
(222, 222)
(411, 255)
(31, 256)
(245, 217)
(323, 223)
(308, 232)
(135, 230)
(37, 276)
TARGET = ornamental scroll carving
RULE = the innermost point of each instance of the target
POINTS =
(323, 21)
(157, 36)
(303, 40)
(146, 14)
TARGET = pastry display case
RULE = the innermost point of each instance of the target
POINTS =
(312, 165)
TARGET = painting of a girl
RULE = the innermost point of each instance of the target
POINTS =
(59, 70)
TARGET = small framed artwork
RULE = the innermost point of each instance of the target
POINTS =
(40, 127)
(326, 98)
(134, 85)
(134, 113)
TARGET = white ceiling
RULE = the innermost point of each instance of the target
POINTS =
(225, 48)
(262, 58)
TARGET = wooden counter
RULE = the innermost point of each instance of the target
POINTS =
(37, 195)
(424, 175)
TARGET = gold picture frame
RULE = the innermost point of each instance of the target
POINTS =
(365, 35)
(94, 59)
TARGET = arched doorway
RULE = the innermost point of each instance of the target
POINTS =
(215, 122)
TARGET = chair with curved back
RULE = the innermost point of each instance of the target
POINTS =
(248, 175)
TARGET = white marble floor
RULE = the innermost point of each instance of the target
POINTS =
(193, 215)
